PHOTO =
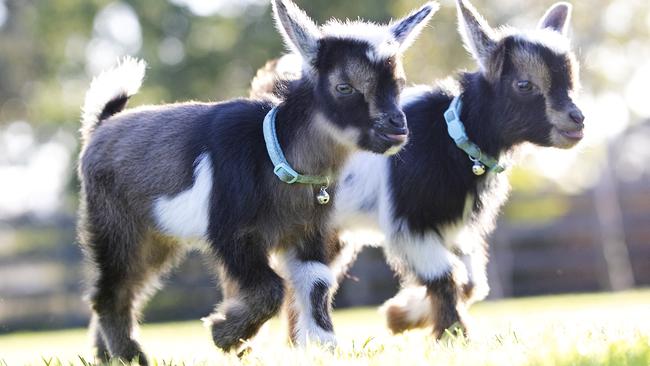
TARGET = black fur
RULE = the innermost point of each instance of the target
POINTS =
(320, 306)
(401, 30)
(113, 107)
(522, 94)
(251, 212)
(431, 177)
(350, 110)
(443, 293)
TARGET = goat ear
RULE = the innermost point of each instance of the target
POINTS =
(478, 36)
(407, 29)
(299, 32)
(557, 18)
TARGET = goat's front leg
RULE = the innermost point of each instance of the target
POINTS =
(309, 297)
(253, 292)
(440, 274)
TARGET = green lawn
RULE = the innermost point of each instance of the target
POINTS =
(594, 329)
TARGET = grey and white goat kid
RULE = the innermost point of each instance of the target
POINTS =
(155, 179)
(434, 204)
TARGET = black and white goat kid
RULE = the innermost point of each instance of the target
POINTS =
(432, 205)
(155, 179)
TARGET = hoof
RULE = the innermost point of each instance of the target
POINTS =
(224, 336)
(456, 330)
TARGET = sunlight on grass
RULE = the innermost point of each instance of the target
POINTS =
(594, 329)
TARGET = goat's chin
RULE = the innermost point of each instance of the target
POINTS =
(394, 149)
(383, 147)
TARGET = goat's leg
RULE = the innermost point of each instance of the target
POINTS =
(128, 265)
(448, 308)
(411, 307)
(253, 293)
(101, 349)
(311, 283)
(474, 257)
(113, 303)
(112, 241)
(439, 272)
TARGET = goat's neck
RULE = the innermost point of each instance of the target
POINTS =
(308, 148)
(481, 116)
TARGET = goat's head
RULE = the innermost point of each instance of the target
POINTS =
(356, 72)
(533, 76)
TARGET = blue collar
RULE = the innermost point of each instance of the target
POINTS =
(456, 131)
(281, 166)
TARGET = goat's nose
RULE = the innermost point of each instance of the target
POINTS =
(397, 120)
(577, 117)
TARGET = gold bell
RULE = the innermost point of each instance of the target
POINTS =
(323, 197)
(478, 168)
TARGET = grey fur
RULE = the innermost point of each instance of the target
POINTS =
(478, 37)
(299, 31)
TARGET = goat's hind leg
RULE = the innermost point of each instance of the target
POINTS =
(101, 349)
(113, 302)
(126, 265)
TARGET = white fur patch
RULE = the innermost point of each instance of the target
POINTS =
(415, 302)
(124, 79)
(289, 66)
(349, 136)
(474, 259)
(412, 94)
(302, 276)
(422, 255)
(359, 192)
(379, 37)
(548, 38)
(186, 214)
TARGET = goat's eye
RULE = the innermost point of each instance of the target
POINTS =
(344, 89)
(525, 86)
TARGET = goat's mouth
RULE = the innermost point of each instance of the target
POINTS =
(393, 138)
(565, 138)
(576, 135)
(388, 142)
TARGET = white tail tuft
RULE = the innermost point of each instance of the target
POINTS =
(124, 80)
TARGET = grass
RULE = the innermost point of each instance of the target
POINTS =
(592, 329)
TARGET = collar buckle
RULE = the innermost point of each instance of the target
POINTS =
(456, 130)
(286, 173)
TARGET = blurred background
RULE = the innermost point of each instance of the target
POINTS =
(577, 220)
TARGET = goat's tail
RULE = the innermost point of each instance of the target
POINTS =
(109, 92)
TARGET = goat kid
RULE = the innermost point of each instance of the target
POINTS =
(433, 204)
(155, 179)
